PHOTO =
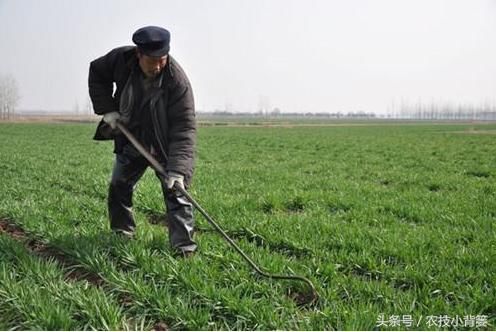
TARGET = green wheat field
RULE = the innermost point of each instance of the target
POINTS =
(393, 223)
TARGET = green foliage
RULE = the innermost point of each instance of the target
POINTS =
(384, 219)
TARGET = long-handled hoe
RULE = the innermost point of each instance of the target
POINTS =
(303, 299)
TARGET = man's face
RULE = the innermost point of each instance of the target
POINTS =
(150, 65)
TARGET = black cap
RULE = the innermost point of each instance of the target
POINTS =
(152, 41)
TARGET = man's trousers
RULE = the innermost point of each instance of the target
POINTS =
(129, 167)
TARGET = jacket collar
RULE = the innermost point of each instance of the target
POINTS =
(130, 57)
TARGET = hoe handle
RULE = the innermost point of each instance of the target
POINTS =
(148, 156)
(160, 169)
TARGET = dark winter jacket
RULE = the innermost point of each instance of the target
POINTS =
(174, 125)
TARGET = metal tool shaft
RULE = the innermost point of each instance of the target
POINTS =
(160, 169)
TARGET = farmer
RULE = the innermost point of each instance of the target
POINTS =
(154, 100)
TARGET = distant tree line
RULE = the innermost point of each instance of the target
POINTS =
(9, 96)
(446, 111)
(417, 111)
(276, 112)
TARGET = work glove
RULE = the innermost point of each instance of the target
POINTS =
(172, 178)
(111, 118)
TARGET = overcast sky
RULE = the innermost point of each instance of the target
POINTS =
(297, 55)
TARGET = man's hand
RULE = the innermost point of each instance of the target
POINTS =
(173, 177)
(111, 118)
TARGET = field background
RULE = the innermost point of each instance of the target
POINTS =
(392, 219)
